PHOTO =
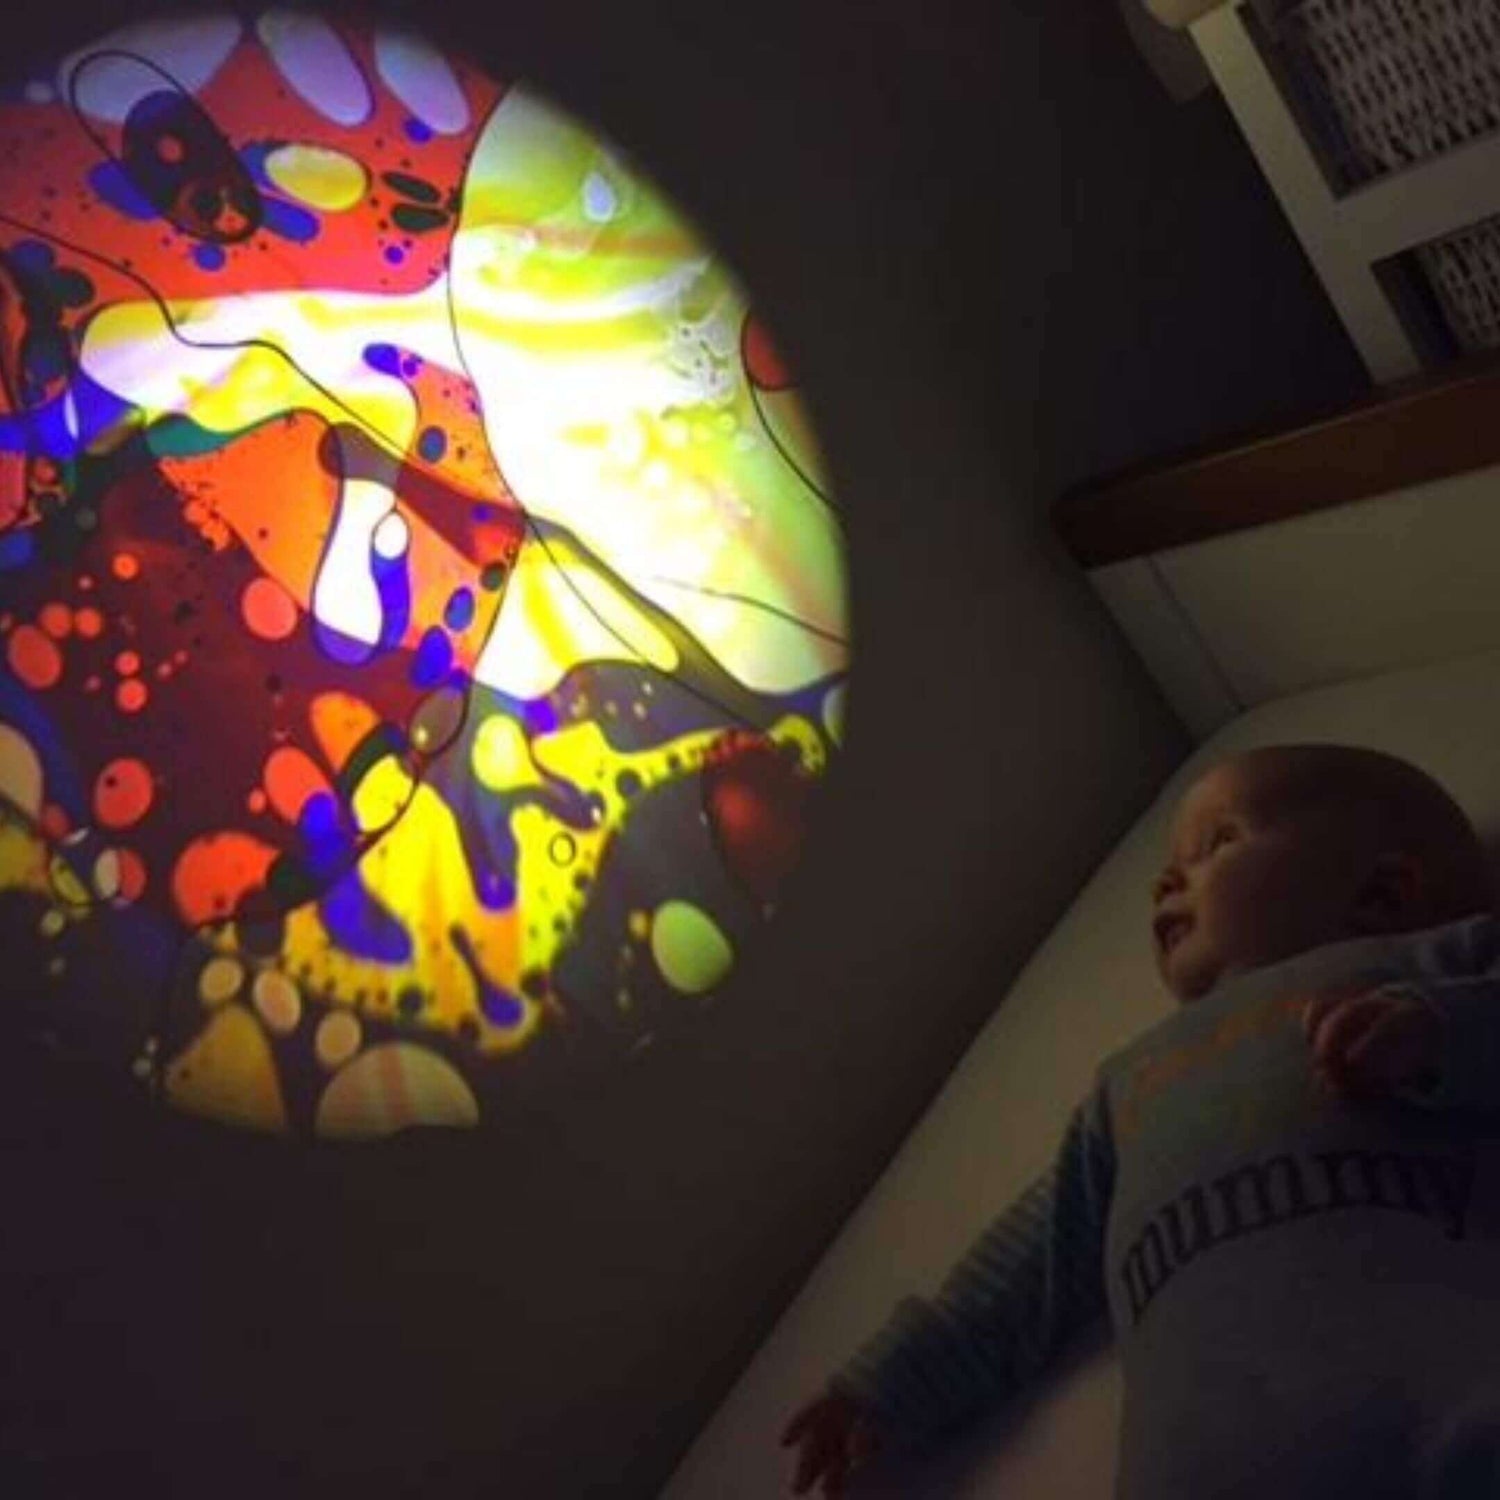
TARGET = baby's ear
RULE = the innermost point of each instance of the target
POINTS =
(1390, 894)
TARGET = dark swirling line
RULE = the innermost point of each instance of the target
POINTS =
(380, 438)
(365, 843)
(383, 440)
(388, 445)
(672, 627)
(747, 717)
(448, 300)
(669, 625)
(791, 462)
(103, 53)
(398, 452)
(537, 529)
(760, 604)
(231, 345)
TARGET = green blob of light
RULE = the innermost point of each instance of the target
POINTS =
(691, 952)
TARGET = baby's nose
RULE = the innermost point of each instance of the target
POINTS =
(1168, 881)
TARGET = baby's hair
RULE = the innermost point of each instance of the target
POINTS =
(1401, 808)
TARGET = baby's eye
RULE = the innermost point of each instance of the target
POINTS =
(1224, 834)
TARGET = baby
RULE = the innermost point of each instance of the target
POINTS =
(1325, 920)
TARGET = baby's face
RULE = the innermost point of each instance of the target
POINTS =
(1246, 885)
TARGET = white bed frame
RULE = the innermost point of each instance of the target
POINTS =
(1345, 236)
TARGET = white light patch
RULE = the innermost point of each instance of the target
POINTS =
(132, 351)
(128, 349)
(186, 52)
(600, 201)
(487, 247)
(345, 598)
(557, 615)
(392, 537)
(107, 875)
(312, 57)
(422, 80)
(769, 652)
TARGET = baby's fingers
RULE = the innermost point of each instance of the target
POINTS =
(809, 1465)
(1324, 1002)
(824, 1454)
(1345, 1024)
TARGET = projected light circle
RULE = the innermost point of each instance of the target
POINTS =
(422, 613)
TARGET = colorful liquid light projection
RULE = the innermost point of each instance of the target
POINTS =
(422, 614)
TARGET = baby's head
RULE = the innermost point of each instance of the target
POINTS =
(1292, 847)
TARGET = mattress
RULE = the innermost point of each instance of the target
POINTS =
(998, 1119)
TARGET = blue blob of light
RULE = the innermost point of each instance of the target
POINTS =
(383, 357)
(34, 256)
(432, 444)
(319, 821)
(98, 410)
(541, 717)
(495, 891)
(361, 926)
(111, 183)
(289, 221)
(460, 612)
(17, 548)
(417, 131)
(326, 844)
(394, 254)
(209, 257)
(499, 1008)
(434, 657)
(393, 582)
(253, 157)
(347, 650)
(48, 431)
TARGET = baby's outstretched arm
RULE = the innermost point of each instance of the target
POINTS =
(1027, 1286)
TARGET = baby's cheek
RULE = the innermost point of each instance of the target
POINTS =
(1247, 923)
(1257, 897)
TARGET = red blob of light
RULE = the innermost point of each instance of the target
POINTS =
(763, 364)
(755, 797)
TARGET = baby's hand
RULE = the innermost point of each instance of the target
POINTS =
(1367, 1042)
(835, 1436)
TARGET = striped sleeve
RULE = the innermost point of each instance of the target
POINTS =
(1458, 975)
(1031, 1281)
(1468, 1075)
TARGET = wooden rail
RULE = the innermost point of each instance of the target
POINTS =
(1429, 427)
